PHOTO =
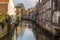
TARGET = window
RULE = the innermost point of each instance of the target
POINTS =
(48, 15)
(56, 15)
(56, 3)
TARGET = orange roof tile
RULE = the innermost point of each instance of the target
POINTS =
(4, 0)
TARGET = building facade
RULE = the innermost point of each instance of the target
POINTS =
(3, 6)
(18, 12)
(49, 16)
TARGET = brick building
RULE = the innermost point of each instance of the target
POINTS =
(3, 6)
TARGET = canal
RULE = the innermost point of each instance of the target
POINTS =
(26, 31)
(30, 30)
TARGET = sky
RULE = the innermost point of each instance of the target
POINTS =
(27, 3)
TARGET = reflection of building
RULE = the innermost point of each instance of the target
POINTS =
(3, 6)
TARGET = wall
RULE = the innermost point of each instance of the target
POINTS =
(3, 8)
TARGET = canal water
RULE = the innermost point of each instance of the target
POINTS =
(26, 32)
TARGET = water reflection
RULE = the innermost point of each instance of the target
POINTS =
(26, 33)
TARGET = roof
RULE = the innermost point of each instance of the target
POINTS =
(4, 0)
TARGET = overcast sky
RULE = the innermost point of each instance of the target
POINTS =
(27, 3)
